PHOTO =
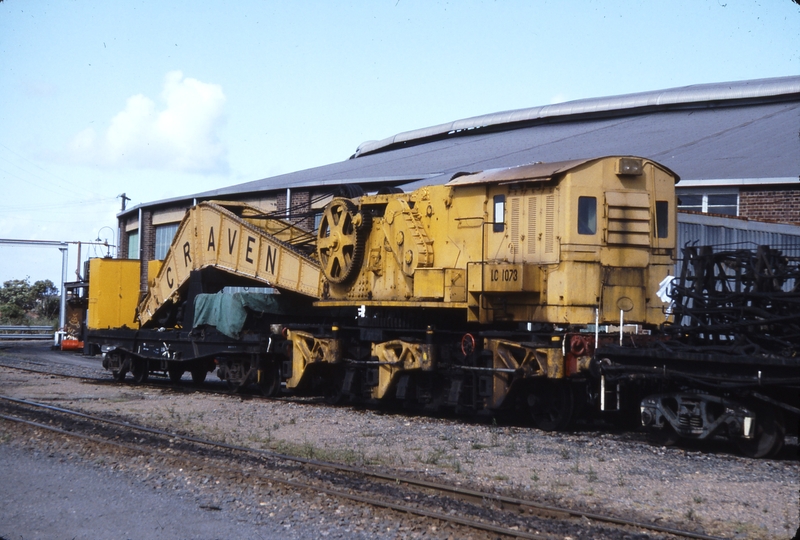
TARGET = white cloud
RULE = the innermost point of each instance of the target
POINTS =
(182, 135)
(558, 98)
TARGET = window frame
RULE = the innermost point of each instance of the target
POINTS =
(133, 244)
(661, 229)
(499, 206)
(587, 216)
(159, 240)
(704, 206)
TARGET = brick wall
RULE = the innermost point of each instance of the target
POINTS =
(300, 205)
(122, 250)
(781, 205)
(147, 245)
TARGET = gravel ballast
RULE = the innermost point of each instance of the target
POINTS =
(719, 493)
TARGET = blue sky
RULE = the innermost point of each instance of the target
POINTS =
(160, 99)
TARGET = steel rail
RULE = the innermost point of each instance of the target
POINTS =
(443, 488)
(466, 522)
(65, 375)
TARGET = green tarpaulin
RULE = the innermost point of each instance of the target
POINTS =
(228, 311)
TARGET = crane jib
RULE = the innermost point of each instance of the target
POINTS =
(249, 250)
(211, 235)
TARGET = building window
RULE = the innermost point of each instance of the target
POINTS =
(164, 236)
(723, 203)
(691, 203)
(587, 215)
(499, 213)
(710, 203)
(133, 245)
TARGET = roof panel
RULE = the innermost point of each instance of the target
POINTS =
(757, 138)
(694, 95)
(535, 171)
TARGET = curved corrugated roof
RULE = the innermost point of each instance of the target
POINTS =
(694, 96)
(742, 132)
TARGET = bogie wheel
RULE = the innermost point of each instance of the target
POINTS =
(198, 375)
(139, 370)
(663, 437)
(770, 432)
(269, 381)
(333, 390)
(340, 240)
(175, 374)
(237, 375)
(124, 365)
(552, 405)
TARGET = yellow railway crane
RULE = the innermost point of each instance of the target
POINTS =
(529, 289)
(469, 294)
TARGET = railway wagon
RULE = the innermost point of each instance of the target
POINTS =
(728, 365)
(482, 293)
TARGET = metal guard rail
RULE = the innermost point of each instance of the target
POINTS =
(34, 332)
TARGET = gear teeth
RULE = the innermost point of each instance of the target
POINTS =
(361, 224)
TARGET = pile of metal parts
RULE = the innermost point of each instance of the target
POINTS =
(741, 302)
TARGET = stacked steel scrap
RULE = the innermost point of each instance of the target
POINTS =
(739, 301)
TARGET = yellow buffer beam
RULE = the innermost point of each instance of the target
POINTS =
(211, 235)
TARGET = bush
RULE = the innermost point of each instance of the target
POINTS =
(12, 314)
(19, 301)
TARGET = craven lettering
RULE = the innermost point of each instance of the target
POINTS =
(271, 255)
(187, 258)
(170, 282)
(250, 242)
(211, 246)
(231, 241)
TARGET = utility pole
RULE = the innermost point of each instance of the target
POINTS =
(124, 198)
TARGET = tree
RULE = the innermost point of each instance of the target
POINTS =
(46, 298)
(17, 292)
(19, 300)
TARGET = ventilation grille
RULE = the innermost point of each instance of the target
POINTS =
(514, 224)
(533, 217)
(549, 224)
(628, 218)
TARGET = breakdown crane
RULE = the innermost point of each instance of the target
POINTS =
(473, 294)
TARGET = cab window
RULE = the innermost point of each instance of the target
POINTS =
(662, 219)
(587, 215)
(499, 213)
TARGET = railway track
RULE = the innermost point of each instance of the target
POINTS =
(165, 384)
(219, 388)
(50, 372)
(474, 510)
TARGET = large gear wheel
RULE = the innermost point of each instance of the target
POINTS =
(340, 240)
